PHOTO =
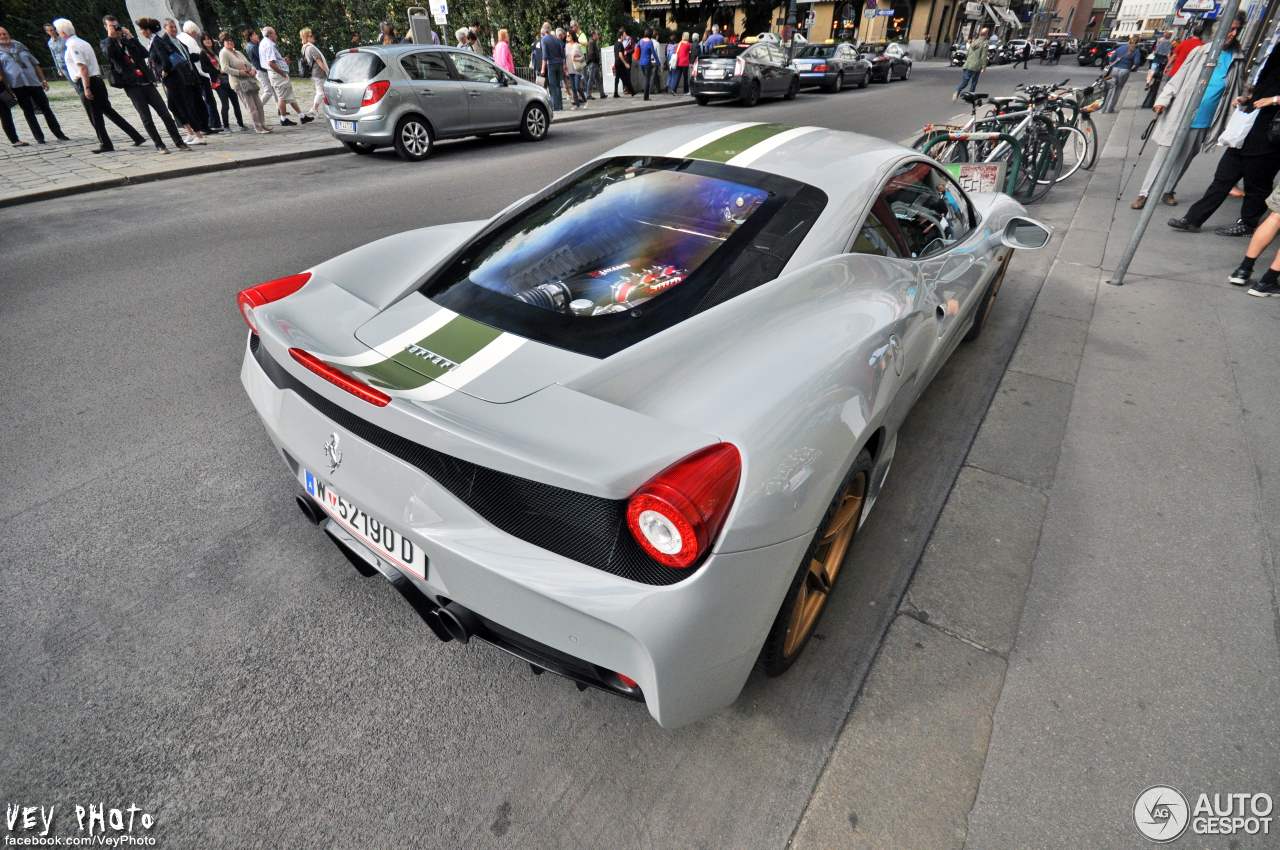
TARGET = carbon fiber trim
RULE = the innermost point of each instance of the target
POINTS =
(588, 529)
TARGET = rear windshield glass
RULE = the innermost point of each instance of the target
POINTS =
(355, 68)
(620, 251)
(816, 50)
(729, 51)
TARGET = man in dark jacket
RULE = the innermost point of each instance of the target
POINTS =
(129, 64)
(622, 64)
(594, 79)
(553, 64)
(170, 57)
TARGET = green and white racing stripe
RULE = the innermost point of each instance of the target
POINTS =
(740, 144)
(440, 354)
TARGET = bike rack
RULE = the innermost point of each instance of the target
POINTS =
(1012, 179)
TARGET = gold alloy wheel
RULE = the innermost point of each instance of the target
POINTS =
(996, 288)
(812, 595)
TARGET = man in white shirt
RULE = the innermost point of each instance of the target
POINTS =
(82, 66)
(278, 76)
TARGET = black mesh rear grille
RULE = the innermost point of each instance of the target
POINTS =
(587, 529)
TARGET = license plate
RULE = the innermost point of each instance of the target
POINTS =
(344, 126)
(382, 540)
(714, 73)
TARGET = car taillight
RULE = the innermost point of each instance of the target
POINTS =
(693, 70)
(374, 92)
(265, 293)
(821, 67)
(676, 516)
(738, 67)
(324, 94)
(340, 379)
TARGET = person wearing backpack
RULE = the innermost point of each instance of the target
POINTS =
(129, 71)
(314, 66)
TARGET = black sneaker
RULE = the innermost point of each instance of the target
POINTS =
(285, 122)
(1237, 229)
(1183, 224)
(306, 119)
(1262, 290)
(1240, 277)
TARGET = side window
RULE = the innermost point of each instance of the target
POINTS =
(426, 66)
(776, 55)
(473, 69)
(756, 54)
(879, 234)
(929, 210)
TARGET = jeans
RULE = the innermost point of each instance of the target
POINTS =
(31, 98)
(594, 79)
(229, 101)
(210, 103)
(555, 82)
(1258, 172)
(969, 79)
(146, 98)
(1119, 76)
(575, 89)
(681, 73)
(651, 79)
(99, 108)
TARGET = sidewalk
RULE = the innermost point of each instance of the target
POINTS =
(51, 170)
(1095, 612)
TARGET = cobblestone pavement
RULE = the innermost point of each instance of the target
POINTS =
(40, 171)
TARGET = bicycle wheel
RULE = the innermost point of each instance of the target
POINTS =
(1040, 166)
(1090, 131)
(1075, 151)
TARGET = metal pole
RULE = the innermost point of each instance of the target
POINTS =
(791, 27)
(1221, 27)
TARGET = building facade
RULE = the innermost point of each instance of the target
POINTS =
(1142, 17)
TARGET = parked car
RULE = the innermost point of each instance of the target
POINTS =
(627, 429)
(409, 96)
(1039, 46)
(745, 72)
(831, 66)
(1096, 52)
(888, 61)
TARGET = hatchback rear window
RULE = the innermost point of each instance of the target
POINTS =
(725, 51)
(355, 68)
(624, 249)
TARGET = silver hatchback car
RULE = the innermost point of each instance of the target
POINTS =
(409, 96)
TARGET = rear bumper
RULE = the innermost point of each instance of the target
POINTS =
(690, 646)
(373, 128)
(817, 78)
(716, 88)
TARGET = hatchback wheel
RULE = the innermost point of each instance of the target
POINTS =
(533, 127)
(413, 138)
(702, 99)
(753, 94)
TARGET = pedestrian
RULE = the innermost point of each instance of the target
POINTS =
(649, 61)
(386, 34)
(1024, 56)
(502, 52)
(595, 80)
(83, 64)
(622, 64)
(713, 40)
(682, 64)
(1256, 160)
(575, 62)
(182, 64)
(1183, 49)
(21, 72)
(553, 64)
(478, 46)
(57, 47)
(252, 50)
(315, 66)
(278, 78)
(205, 73)
(1262, 237)
(129, 68)
(222, 84)
(1124, 59)
(170, 66)
(975, 63)
(1174, 100)
(244, 80)
(461, 35)
(1155, 75)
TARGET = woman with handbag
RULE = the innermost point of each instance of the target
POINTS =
(222, 85)
(242, 77)
(315, 67)
(169, 61)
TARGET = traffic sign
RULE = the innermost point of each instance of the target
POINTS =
(1198, 6)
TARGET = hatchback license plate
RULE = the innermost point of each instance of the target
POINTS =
(714, 74)
(344, 126)
(385, 542)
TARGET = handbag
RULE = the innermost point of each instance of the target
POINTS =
(249, 85)
(1238, 127)
(7, 97)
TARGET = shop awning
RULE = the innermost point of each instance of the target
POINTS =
(991, 13)
(1009, 16)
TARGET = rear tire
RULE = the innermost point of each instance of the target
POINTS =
(793, 89)
(752, 96)
(865, 81)
(836, 86)
(702, 99)
(534, 123)
(988, 298)
(362, 148)
(820, 567)
(414, 140)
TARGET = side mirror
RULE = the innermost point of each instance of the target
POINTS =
(502, 80)
(1024, 233)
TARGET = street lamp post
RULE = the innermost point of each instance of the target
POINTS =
(791, 30)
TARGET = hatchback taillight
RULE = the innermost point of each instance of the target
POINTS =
(265, 293)
(374, 92)
(738, 67)
(693, 69)
(676, 516)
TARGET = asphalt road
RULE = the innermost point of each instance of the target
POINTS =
(177, 636)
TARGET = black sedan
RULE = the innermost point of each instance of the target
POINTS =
(888, 61)
(1095, 52)
(832, 66)
(746, 72)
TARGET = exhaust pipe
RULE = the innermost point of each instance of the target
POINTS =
(310, 510)
(460, 623)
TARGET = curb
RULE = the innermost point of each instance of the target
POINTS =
(269, 159)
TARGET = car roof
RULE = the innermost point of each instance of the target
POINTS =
(390, 49)
(835, 161)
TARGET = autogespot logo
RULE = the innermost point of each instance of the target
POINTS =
(1161, 813)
